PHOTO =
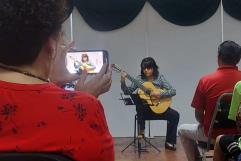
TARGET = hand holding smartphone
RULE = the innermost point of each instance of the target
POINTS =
(98, 84)
(91, 61)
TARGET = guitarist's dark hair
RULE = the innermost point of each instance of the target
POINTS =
(149, 62)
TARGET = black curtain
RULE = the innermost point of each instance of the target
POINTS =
(106, 15)
(185, 12)
(233, 8)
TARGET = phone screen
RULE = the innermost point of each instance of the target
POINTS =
(90, 61)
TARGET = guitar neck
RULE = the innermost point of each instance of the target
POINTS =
(138, 84)
(132, 79)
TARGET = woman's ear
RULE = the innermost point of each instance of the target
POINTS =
(51, 46)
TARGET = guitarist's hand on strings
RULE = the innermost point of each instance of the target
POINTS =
(155, 94)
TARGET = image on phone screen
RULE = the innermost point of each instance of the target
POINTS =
(90, 61)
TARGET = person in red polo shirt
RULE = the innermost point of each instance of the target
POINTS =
(209, 88)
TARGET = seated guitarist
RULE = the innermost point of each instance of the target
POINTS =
(150, 73)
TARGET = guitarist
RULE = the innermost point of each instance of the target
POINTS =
(150, 73)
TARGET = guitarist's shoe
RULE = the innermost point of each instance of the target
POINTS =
(170, 146)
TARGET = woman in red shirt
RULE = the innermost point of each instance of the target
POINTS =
(36, 115)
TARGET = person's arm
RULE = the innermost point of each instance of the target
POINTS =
(199, 103)
(236, 99)
(169, 90)
(125, 89)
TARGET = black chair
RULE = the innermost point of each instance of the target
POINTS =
(219, 121)
(22, 156)
(133, 99)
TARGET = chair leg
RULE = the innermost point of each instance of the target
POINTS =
(135, 134)
(149, 128)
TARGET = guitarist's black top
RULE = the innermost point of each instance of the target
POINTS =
(160, 82)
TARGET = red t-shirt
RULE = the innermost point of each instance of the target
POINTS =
(210, 87)
(46, 118)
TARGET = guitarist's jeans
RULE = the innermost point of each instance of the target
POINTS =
(171, 115)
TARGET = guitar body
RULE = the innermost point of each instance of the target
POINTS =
(157, 105)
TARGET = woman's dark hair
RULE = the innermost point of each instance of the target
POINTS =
(229, 53)
(85, 56)
(25, 25)
(149, 62)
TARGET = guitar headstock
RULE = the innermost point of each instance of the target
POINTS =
(116, 68)
(119, 70)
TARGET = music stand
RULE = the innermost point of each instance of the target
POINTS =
(134, 99)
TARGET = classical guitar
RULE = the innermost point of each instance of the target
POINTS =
(157, 105)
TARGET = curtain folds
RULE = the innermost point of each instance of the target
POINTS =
(233, 8)
(107, 15)
(185, 12)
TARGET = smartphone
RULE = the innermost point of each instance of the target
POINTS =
(88, 60)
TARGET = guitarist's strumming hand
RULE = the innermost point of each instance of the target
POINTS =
(155, 94)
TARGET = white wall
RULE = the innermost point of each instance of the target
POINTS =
(183, 54)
